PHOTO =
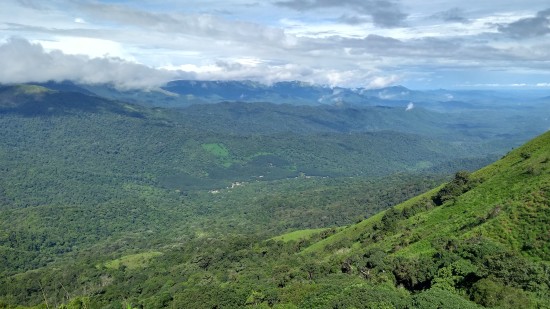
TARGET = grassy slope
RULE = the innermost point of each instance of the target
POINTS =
(510, 206)
(298, 235)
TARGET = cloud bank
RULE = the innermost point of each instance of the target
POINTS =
(349, 43)
(27, 62)
(22, 61)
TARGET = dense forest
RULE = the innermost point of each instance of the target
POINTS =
(108, 204)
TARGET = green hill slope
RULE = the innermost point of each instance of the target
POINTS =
(35, 101)
(505, 196)
(483, 236)
(480, 240)
(108, 205)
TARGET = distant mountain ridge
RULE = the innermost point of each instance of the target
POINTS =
(34, 100)
(485, 117)
(181, 93)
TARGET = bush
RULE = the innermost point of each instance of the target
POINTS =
(460, 184)
(491, 293)
(437, 298)
(363, 296)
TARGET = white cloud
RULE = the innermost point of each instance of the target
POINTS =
(298, 39)
(94, 48)
(25, 62)
(383, 81)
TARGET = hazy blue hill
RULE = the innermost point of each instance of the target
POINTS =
(268, 117)
(491, 131)
(295, 93)
(223, 90)
(182, 93)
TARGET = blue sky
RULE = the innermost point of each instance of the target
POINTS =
(351, 43)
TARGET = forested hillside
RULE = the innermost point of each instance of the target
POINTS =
(105, 203)
(482, 237)
(478, 240)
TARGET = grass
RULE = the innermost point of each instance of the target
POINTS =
(31, 89)
(219, 151)
(510, 205)
(298, 235)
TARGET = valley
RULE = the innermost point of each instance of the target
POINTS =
(108, 200)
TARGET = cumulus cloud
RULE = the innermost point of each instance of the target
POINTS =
(528, 27)
(382, 81)
(383, 13)
(347, 43)
(410, 106)
(22, 61)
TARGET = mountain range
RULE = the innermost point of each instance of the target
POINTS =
(237, 194)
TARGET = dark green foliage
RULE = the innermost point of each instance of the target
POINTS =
(460, 184)
(436, 298)
(422, 205)
(491, 293)
(208, 297)
(372, 297)
(390, 219)
(414, 273)
(392, 216)
(109, 205)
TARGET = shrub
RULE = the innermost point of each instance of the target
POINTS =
(460, 184)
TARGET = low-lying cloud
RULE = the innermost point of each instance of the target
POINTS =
(269, 73)
(22, 61)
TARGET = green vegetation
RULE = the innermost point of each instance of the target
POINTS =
(482, 235)
(109, 205)
(31, 89)
(299, 235)
(132, 261)
(220, 152)
(216, 149)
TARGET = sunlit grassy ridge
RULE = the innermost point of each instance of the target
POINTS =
(483, 236)
(509, 204)
(297, 235)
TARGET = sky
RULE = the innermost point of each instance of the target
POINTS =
(453, 44)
